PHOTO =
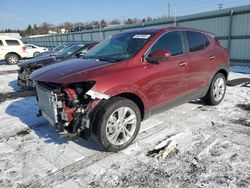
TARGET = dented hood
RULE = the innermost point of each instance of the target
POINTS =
(69, 71)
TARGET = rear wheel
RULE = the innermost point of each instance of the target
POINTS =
(217, 90)
(118, 123)
(12, 59)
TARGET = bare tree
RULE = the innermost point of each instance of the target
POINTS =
(44, 28)
(95, 24)
(115, 22)
(68, 26)
(132, 21)
(103, 23)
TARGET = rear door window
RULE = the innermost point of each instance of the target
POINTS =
(195, 41)
(1, 43)
(171, 41)
(12, 42)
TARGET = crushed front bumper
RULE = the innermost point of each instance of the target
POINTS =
(52, 109)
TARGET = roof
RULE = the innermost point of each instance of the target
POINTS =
(8, 37)
(157, 30)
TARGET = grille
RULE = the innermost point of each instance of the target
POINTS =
(48, 103)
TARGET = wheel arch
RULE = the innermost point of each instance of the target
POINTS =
(221, 69)
(224, 72)
(12, 53)
(136, 99)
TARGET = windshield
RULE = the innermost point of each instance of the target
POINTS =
(119, 47)
(67, 52)
(59, 48)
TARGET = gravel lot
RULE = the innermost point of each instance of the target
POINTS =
(213, 147)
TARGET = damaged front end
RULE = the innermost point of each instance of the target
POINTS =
(23, 78)
(28, 67)
(68, 107)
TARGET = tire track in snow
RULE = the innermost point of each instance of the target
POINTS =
(67, 171)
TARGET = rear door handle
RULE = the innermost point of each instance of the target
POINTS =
(211, 57)
(183, 63)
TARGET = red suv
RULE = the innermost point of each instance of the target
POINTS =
(128, 77)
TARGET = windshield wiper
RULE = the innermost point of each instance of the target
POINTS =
(107, 59)
(102, 59)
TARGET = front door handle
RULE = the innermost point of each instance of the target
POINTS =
(183, 64)
(211, 57)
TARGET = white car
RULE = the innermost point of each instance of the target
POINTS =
(33, 50)
(12, 50)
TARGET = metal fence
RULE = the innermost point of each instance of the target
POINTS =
(231, 26)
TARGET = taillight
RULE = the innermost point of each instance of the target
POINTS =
(24, 48)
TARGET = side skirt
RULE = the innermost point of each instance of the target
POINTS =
(176, 102)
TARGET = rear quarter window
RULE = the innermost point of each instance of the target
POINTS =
(1, 43)
(195, 41)
(12, 42)
(206, 41)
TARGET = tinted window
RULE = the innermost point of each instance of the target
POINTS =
(1, 43)
(206, 40)
(171, 42)
(30, 46)
(12, 42)
(195, 41)
(67, 52)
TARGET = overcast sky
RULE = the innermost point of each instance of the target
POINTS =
(18, 14)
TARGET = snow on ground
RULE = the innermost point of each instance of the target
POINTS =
(4, 66)
(8, 83)
(213, 148)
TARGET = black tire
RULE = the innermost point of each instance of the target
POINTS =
(210, 98)
(103, 116)
(35, 54)
(12, 59)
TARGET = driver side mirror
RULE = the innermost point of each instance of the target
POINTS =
(158, 56)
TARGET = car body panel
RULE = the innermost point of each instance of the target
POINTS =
(159, 86)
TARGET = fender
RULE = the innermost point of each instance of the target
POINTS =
(125, 88)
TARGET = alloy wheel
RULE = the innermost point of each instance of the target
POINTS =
(219, 89)
(121, 126)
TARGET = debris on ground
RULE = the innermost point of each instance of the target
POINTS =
(167, 150)
(161, 153)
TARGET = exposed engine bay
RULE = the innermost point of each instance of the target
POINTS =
(68, 107)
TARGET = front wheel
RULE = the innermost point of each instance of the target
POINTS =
(12, 59)
(217, 90)
(118, 123)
